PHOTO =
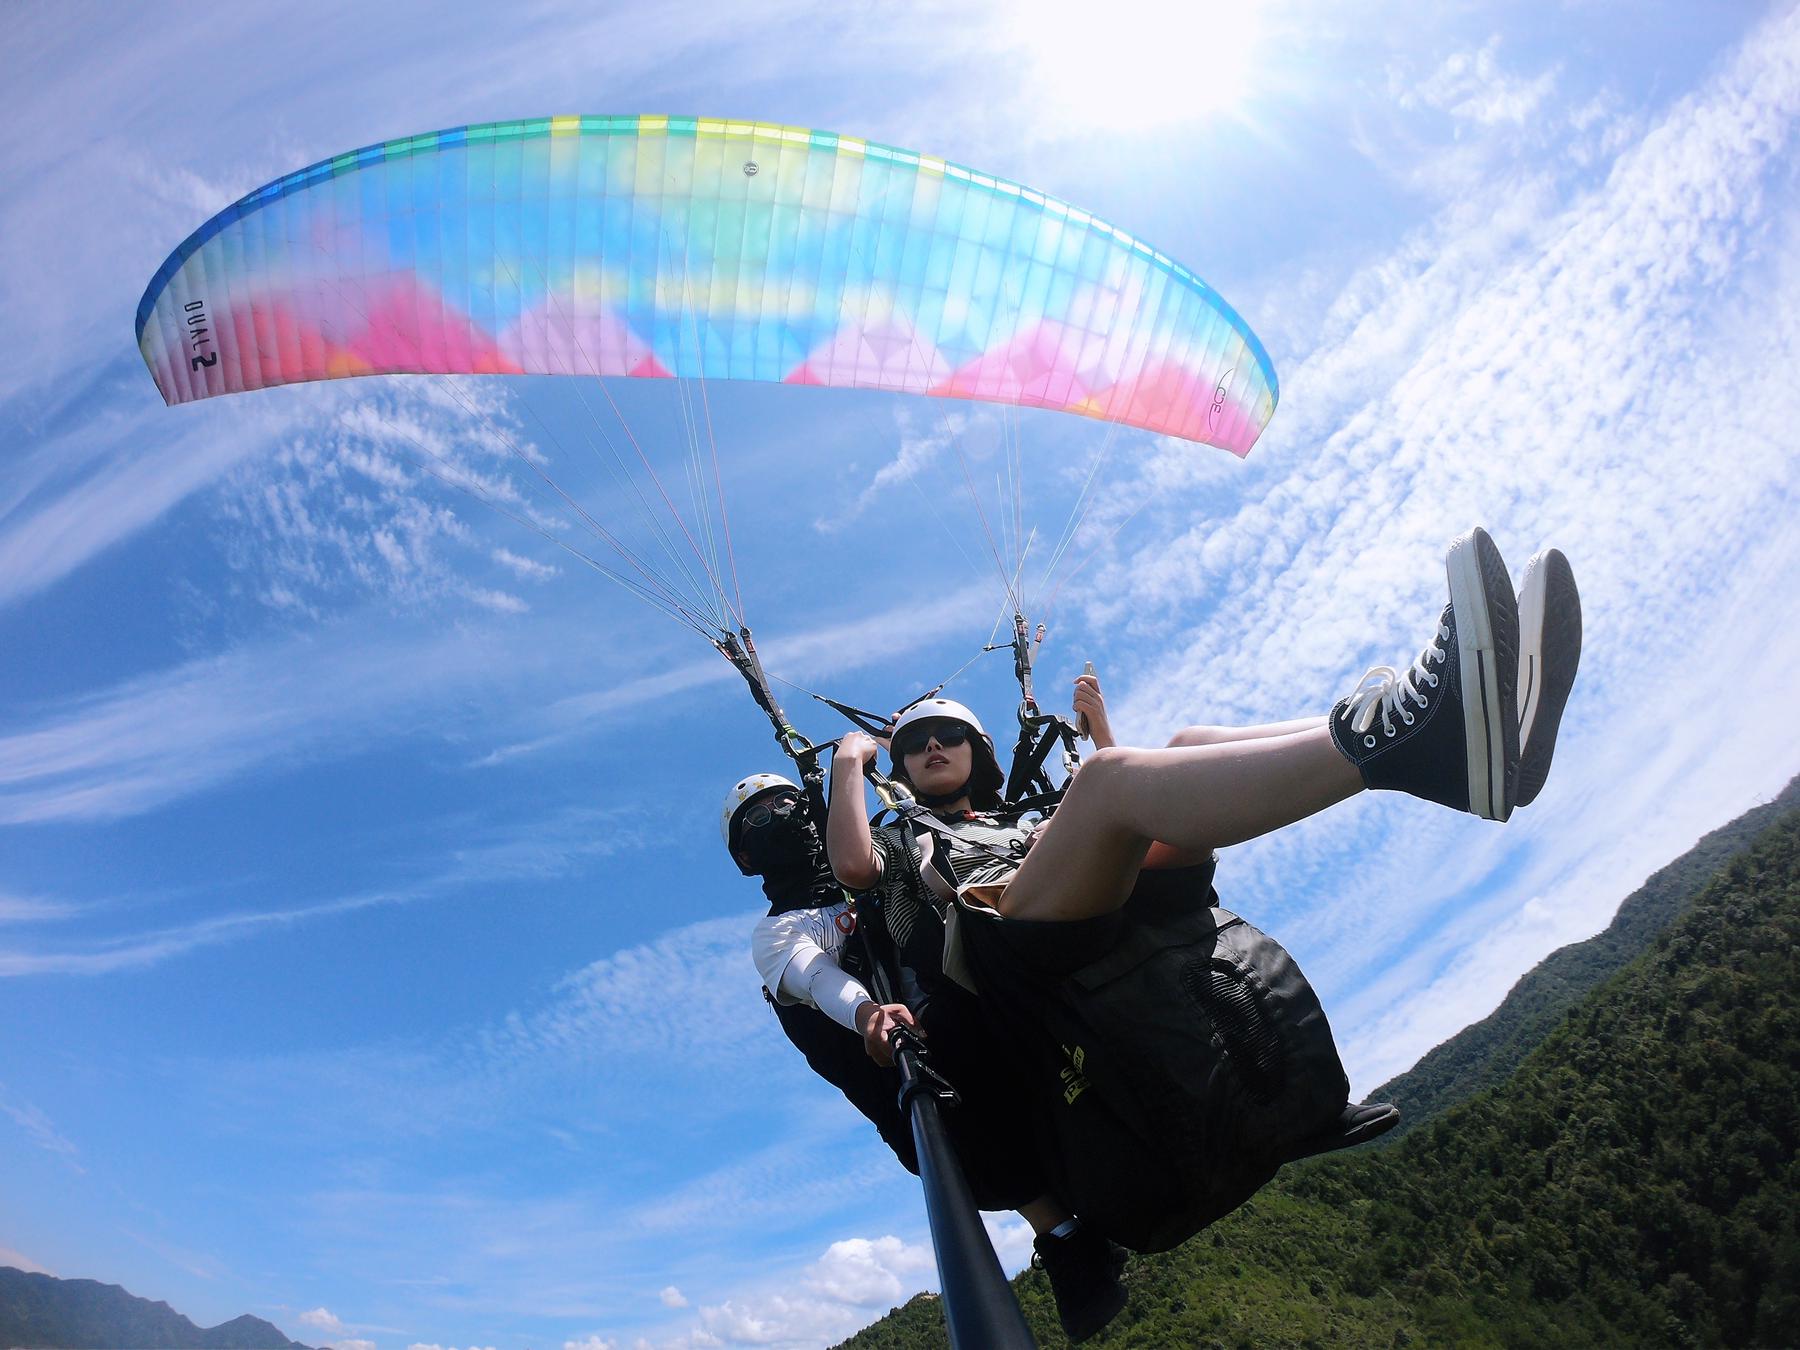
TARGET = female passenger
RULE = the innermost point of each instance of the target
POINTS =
(1035, 916)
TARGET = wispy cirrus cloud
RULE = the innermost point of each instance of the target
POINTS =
(159, 737)
(141, 474)
(1472, 85)
(40, 1129)
(814, 656)
(541, 849)
(22, 909)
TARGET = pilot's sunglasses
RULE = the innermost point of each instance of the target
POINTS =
(947, 734)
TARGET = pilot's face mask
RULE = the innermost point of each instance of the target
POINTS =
(772, 835)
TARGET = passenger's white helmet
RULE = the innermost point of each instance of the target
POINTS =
(927, 708)
(747, 790)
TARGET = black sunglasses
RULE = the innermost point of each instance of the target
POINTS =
(916, 738)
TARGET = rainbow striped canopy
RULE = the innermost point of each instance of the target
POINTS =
(689, 246)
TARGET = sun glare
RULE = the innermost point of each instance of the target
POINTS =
(1128, 64)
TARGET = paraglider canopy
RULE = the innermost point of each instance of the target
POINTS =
(689, 246)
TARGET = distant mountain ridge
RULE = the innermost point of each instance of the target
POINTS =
(1485, 1052)
(42, 1312)
(1633, 1181)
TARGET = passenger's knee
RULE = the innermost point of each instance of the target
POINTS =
(1098, 771)
(1197, 736)
(1108, 761)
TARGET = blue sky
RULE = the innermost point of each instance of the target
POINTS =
(367, 960)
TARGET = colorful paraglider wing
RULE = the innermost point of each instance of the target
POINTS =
(671, 246)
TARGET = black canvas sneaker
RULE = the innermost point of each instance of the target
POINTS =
(1447, 729)
(1549, 651)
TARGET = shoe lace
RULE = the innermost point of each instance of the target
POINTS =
(1390, 693)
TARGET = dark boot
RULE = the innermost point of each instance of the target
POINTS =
(1357, 1125)
(1549, 651)
(1084, 1271)
(1448, 729)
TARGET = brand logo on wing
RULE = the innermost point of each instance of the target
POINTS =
(200, 343)
(1218, 403)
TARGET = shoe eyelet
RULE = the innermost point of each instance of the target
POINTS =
(1388, 732)
(1407, 718)
(1369, 742)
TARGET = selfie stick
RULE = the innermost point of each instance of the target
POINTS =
(979, 1308)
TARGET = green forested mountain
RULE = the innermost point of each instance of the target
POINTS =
(1633, 1182)
(1483, 1054)
(43, 1311)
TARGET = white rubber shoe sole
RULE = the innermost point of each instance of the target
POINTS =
(1487, 638)
(1549, 652)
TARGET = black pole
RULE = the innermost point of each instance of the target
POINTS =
(979, 1307)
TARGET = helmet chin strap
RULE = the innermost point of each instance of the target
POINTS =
(945, 798)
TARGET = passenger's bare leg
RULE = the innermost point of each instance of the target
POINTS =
(1194, 798)
(1163, 855)
(1444, 730)
(1208, 735)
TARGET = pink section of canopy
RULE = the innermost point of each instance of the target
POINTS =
(1069, 369)
(888, 354)
(410, 327)
(1050, 365)
(552, 339)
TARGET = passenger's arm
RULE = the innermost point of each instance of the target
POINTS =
(854, 861)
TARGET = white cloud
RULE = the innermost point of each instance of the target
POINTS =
(352, 1343)
(526, 568)
(673, 1298)
(40, 1129)
(500, 602)
(1471, 85)
(1012, 1239)
(19, 1261)
(322, 1318)
(853, 1280)
(870, 1272)
(895, 484)
(34, 909)
(180, 730)
(145, 470)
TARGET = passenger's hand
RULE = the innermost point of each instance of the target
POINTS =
(876, 1022)
(1091, 704)
(857, 748)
